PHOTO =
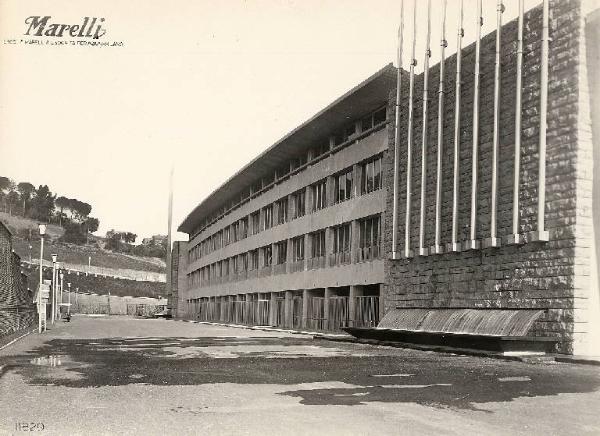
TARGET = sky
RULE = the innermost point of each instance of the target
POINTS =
(203, 86)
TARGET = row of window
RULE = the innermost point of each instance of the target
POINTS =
(368, 122)
(293, 206)
(277, 254)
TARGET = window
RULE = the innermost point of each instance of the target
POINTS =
(366, 123)
(253, 261)
(282, 211)
(298, 248)
(281, 252)
(268, 213)
(298, 162)
(255, 222)
(225, 267)
(379, 116)
(343, 186)
(235, 231)
(342, 238)
(318, 244)
(371, 176)
(243, 262)
(320, 150)
(234, 264)
(243, 228)
(267, 256)
(319, 199)
(369, 237)
(299, 203)
(226, 236)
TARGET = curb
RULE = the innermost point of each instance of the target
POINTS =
(17, 338)
(577, 360)
(531, 358)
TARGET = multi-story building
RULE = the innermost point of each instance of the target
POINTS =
(490, 237)
(294, 238)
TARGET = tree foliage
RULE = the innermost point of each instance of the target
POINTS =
(41, 204)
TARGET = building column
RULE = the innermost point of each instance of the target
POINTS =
(329, 233)
(289, 256)
(381, 302)
(357, 179)
(329, 190)
(354, 241)
(305, 300)
(275, 213)
(288, 309)
(307, 250)
(273, 309)
(328, 293)
(355, 291)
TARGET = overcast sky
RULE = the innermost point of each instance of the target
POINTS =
(205, 85)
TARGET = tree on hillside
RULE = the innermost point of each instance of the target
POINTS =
(12, 200)
(90, 225)
(73, 233)
(26, 190)
(42, 204)
(6, 185)
(62, 203)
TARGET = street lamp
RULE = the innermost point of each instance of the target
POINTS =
(42, 228)
(54, 257)
(69, 306)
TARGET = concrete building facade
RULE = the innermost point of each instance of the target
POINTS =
(302, 236)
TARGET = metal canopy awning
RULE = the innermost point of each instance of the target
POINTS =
(491, 322)
(365, 97)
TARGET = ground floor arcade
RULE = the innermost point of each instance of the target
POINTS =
(326, 309)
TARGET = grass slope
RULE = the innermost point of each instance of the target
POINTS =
(75, 254)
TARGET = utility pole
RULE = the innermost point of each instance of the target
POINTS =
(170, 220)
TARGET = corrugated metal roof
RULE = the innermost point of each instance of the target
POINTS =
(365, 97)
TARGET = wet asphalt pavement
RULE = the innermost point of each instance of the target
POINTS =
(121, 375)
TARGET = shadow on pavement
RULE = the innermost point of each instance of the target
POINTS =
(366, 374)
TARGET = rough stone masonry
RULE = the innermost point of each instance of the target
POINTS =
(559, 276)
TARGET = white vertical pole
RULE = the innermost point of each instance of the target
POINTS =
(493, 240)
(455, 247)
(516, 237)
(423, 251)
(542, 234)
(397, 136)
(438, 249)
(169, 221)
(40, 285)
(474, 243)
(407, 251)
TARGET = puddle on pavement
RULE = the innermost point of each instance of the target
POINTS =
(55, 361)
(514, 379)
(392, 375)
(47, 361)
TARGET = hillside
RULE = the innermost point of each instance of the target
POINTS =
(70, 253)
(100, 285)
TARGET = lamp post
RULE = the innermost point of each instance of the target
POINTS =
(42, 228)
(89, 265)
(62, 283)
(54, 256)
(69, 306)
(30, 247)
(58, 284)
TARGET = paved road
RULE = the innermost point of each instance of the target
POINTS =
(125, 376)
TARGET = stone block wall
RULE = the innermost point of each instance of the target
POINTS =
(546, 275)
(17, 311)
